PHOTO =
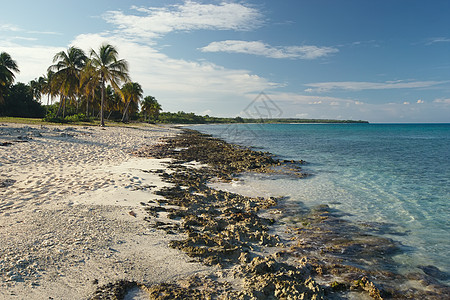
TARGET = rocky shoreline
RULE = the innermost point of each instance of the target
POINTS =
(319, 255)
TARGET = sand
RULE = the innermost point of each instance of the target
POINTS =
(70, 212)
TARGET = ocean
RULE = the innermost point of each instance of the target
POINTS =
(392, 174)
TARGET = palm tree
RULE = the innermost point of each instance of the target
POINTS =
(113, 101)
(151, 107)
(132, 92)
(38, 87)
(67, 76)
(109, 69)
(89, 82)
(47, 86)
(7, 68)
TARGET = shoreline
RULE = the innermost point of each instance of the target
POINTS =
(241, 259)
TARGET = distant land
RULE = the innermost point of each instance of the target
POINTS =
(191, 118)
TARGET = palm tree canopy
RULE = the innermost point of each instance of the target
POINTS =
(89, 79)
(151, 106)
(74, 59)
(113, 99)
(67, 69)
(150, 103)
(47, 88)
(132, 92)
(110, 68)
(7, 68)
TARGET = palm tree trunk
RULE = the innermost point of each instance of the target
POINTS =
(64, 107)
(61, 99)
(125, 111)
(102, 120)
(87, 106)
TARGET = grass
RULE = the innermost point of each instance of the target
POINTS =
(37, 121)
(31, 121)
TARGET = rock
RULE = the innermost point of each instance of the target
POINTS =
(435, 272)
(244, 257)
(116, 290)
(16, 277)
(367, 285)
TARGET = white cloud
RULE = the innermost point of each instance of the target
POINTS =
(14, 28)
(444, 101)
(318, 107)
(9, 27)
(361, 85)
(438, 40)
(44, 32)
(206, 112)
(301, 115)
(187, 16)
(263, 49)
(300, 99)
(24, 38)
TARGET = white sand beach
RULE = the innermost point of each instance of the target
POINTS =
(70, 212)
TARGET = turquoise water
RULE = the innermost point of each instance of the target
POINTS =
(398, 174)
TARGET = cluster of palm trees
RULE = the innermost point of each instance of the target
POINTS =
(75, 75)
(100, 79)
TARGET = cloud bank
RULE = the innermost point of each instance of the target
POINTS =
(326, 107)
(361, 85)
(158, 21)
(263, 49)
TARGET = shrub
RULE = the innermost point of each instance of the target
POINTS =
(51, 117)
(77, 118)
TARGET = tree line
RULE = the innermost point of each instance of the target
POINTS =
(97, 85)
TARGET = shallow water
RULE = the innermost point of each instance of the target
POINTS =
(394, 175)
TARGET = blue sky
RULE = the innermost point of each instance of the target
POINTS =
(381, 61)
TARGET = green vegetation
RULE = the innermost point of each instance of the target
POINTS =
(151, 108)
(191, 118)
(18, 102)
(7, 69)
(93, 88)
(132, 92)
